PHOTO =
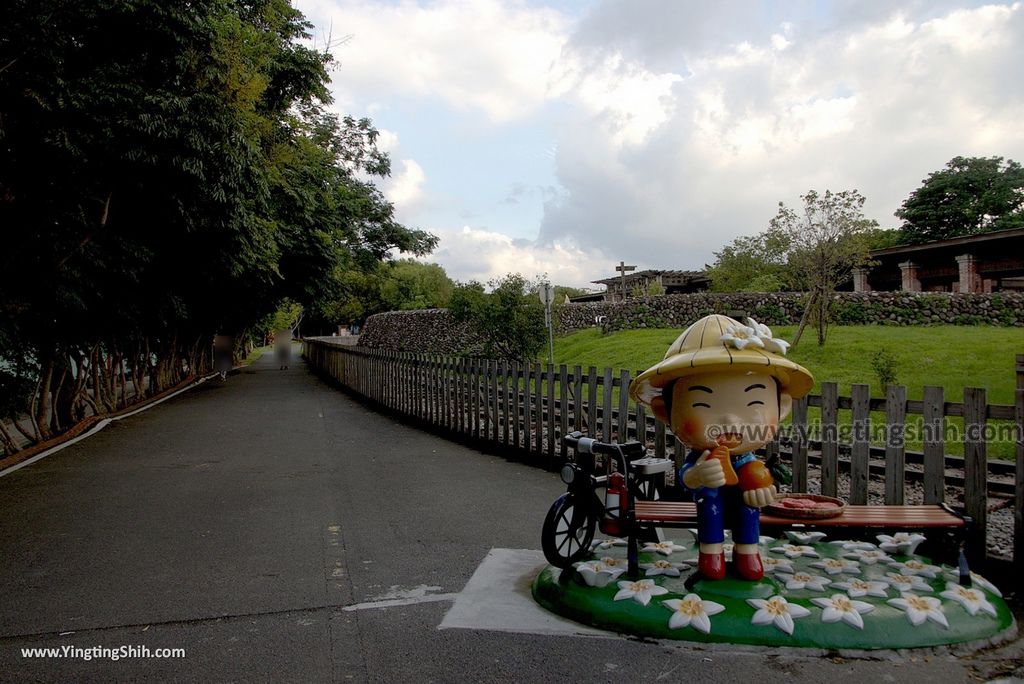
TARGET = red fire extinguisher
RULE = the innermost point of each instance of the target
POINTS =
(616, 500)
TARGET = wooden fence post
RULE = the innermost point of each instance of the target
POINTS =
(829, 439)
(551, 410)
(1018, 507)
(799, 445)
(527, 408)
(515, 405)
(976, 467)
(606, 406)
(895, 451)
(563, 414)
(592, 402)
(538, 407)
(933, 424)
(861, 447)
(623, 426)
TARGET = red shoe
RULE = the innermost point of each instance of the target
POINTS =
(711, 565)
(748, 566)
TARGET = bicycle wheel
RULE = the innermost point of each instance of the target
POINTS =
(568, 530)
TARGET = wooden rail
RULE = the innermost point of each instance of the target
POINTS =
(528, 407)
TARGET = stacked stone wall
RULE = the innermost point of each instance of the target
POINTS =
(433, 331)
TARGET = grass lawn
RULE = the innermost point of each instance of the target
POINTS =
(952, 357)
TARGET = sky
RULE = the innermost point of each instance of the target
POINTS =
(559, 138)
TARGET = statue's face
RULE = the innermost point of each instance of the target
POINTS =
(739, 410)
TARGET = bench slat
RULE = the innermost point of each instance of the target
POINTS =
(927, 516)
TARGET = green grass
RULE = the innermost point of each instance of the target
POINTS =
(952, 357)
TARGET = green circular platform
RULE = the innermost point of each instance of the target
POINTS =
(730, 609)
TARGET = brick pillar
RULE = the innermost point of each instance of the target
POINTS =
(910, 280)
(969, 280)
(860, 280)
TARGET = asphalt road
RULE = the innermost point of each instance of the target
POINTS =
(239, 520)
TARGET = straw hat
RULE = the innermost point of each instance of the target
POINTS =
(717, 343)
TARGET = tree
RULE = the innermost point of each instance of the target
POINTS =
(753, 263)
(510, 317)
(410, 284)
(825, 241)
(971, 195)
(167, 171)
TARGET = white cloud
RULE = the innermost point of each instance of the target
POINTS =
(405, 189)
(876, 107)
(482, 255)
(479, 54)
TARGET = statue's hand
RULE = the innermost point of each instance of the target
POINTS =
(707, 472)
(759, 498)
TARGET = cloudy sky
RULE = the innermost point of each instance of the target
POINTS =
(561, 137)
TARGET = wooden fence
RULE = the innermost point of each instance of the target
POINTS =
(528, 407)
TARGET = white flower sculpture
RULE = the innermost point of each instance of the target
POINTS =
(916, 567)
(741, 336)
(640, 591)
(753, 334)
(805, 537)
(972, 600)
(765, 540)
(662, 567)
(920, 609)
(905, 583)
(692, 611)
(614, 562)
(597, 574)
(867, 556)
(858, 587)
(776, 611)
(795, 550)
(850, 545)
(834, 566)
(777, 565)
(953, 576)
(605, 544)
(902, 542)
(803, 580)
(665, 548)
(840, 607)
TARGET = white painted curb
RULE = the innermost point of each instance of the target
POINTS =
(99, 426)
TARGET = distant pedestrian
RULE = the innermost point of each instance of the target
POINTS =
(283, 347)
(223, 355)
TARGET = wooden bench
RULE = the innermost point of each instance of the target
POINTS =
(863, 518)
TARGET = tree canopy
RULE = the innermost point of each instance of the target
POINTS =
(168, 171)
(510, 317)
(970, 195)
(753, 263)
(826, 239)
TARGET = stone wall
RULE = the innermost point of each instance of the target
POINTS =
(785, 308)
(433, 331)
(426, 331)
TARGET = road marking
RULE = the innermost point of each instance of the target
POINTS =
(498, 598)
(391, 603)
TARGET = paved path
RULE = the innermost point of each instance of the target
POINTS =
(244, 520)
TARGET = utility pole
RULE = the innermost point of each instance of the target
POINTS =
(623, 269)
(547, 298)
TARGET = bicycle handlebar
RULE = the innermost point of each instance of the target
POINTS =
(589, 445)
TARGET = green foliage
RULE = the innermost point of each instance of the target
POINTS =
(655, 289)
(169, 171)
(409, 284)
(883, 363)
(970, 195)
(510, 317)
(880, 238)
(751, 263)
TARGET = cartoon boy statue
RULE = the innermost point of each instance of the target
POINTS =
(722, 389)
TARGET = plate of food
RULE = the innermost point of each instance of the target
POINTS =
(806, 506)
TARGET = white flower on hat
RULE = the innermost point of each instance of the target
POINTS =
(741, 336)
(764, 333)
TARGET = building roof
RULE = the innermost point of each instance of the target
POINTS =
(650, 273)
(951, 242)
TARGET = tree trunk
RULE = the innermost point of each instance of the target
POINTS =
(41, 416)
(805, 317)
(10, 446)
